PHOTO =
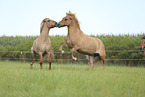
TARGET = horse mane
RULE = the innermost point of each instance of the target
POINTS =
(41, 27)
(73, 16)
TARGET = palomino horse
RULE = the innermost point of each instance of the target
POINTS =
(78, 41)
(42, 45)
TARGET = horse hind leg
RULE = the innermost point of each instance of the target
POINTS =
(104, 62)
(49, 63)
(34, 59)
(45, 56)
(91, 62)
(98, 57)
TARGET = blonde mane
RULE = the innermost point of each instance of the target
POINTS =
(41, 27)
(73, 16)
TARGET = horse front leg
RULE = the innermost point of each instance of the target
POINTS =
(72, 50)
(41, 60)
(49, 56)
(60, 48)
(34, 59)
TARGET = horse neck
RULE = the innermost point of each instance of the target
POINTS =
(74, 30)
(45, 32)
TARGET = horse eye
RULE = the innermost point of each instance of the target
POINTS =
(48, 20)
(65, 19)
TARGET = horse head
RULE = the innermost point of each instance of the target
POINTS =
(50, 23)
(67, 20)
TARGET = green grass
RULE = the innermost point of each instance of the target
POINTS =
(17, 80)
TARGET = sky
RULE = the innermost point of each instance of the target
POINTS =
(96, 17)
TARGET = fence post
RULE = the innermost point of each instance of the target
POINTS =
(21, 56)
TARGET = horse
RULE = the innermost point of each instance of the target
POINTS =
(142, 43)
(42, 45)
(92, 47)
(142, 46)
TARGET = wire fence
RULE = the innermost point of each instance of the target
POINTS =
(66, 57)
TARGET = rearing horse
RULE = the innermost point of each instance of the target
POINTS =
(42, 45)
(78, 41)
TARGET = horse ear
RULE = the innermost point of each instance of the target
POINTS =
(68, 13)
(71, 17)
(44, 20)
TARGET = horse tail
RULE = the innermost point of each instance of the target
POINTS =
(51, 54)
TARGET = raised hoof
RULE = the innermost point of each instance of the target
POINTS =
(62, 52)
(74, 59)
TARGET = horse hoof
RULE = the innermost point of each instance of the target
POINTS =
(74, 58)
(62, 52)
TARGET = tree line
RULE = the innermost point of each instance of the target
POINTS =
(120, 43)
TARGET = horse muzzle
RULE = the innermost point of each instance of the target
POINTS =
(55, 24)
(59, 25)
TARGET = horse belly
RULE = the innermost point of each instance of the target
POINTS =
(85, 50)
(89, 47)
(45, 47)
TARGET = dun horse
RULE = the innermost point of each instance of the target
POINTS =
(42, 45)
(78, 41)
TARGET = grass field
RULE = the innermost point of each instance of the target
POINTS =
(17, 80)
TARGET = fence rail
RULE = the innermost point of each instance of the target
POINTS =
(69, 52)
(67, 58)
(113, 51)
